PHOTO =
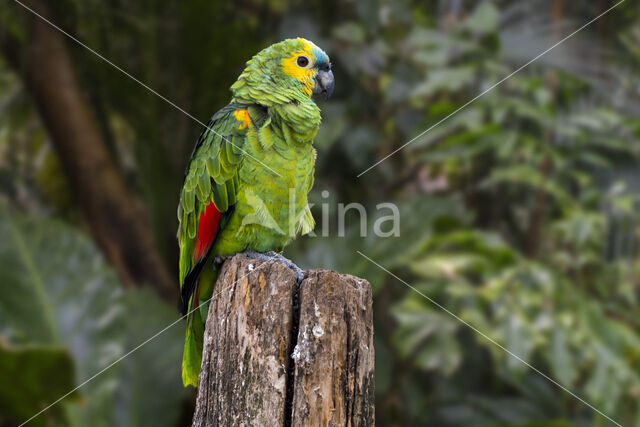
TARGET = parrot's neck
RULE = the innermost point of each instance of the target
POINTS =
(288, 107)
(302, 119)
(297, 121)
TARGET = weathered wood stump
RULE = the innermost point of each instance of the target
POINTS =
(279, 353)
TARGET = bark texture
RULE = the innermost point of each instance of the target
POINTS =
(117, 219)
(280, 353)
(247, 344)
(333, 357)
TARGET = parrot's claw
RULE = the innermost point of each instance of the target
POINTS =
(286, 261)
(271, 255)
(220, 259)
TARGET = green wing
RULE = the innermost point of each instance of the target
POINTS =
(212, 175)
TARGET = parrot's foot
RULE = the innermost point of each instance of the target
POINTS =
(269, 256)
(220, 259)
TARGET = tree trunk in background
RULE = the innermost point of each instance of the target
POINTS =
(277, 353)
(116, 217)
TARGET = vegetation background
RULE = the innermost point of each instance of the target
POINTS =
(519, 214)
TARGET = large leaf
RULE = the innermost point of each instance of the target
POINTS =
(426, 334)
(33, 374)
(63, 295)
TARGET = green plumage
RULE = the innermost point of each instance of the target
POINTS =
(256, 163)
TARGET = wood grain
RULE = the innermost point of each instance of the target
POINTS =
(279, 353)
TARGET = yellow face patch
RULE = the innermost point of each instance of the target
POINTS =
(305, 75)
(243, 117)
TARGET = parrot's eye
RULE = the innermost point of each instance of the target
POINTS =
(303, 61)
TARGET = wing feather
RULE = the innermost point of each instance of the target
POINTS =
(211, 177)
(206, 203)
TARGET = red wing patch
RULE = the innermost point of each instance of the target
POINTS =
(207, 228)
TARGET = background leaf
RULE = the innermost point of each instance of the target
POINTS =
(56, 270)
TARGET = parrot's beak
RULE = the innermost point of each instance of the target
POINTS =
(324, 83)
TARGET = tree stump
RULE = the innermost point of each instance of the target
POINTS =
(279, 353)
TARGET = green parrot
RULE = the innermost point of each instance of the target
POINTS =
(251, 170)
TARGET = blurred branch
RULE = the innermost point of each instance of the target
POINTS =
(116, 217)
(533, 233)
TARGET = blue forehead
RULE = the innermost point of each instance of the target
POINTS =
(320, 56)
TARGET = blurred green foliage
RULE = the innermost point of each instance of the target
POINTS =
(532, 237)
(64, 319)
(44, 374)
(519, 214)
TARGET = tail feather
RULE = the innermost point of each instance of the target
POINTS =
(189, 287)
(192, 356)
(196, 308)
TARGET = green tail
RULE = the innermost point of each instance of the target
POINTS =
(192, 355)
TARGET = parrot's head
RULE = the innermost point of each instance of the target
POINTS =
(288, 71)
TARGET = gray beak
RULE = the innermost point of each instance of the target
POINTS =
(324, 83)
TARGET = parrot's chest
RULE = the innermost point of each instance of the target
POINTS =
(272, 197)
(283, 196)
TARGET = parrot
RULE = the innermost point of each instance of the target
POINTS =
(249, 176)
